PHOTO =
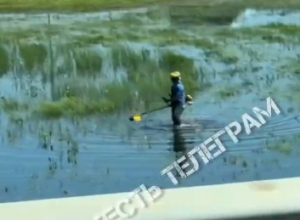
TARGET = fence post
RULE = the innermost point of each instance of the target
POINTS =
(51, 63)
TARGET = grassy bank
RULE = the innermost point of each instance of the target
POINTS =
(73, 5)
(213, 9)
(223, 12)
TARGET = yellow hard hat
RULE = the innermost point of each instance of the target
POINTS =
(175, 74)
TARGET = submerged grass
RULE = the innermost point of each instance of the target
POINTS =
(287, 30)
(87, 62)
(273, 33)
(121, 94)
(227, 55)
(162, 37)
(282, 147)
(223, 12)
(70, 106)
(125, 57)
(227, 92)
(174, 62)
(10, 106)
(33, 55)
(296, 69)
(147, 81)
(258, 33)
(208, 41)
(4, 61)
(17, 34)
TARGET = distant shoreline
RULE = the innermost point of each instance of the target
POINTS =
(223, 6)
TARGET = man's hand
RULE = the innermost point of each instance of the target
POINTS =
(167, 101)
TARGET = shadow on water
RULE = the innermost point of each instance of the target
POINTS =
(179, 145)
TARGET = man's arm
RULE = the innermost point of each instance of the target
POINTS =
(178, 91)
(166, 100)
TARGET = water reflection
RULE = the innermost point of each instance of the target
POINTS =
(179, 144)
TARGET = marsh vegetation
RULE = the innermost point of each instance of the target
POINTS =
(68, 87)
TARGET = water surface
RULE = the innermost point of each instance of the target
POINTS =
(78, 156)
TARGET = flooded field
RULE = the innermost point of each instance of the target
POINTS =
(69, 82)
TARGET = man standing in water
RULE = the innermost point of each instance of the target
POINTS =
(177, 98)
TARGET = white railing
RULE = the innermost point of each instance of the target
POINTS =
(207, 202)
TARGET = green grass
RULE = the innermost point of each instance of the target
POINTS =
(228, 92)
(171, 62)
(171, 36)
(159, 37)
(9, 35)
(291, 68)
(227, 55)
(34, 55)
(243, 32)
(123, 56)
(73, 107)
(111, 98)
(291, 31)
(283, 147)
(95, 39)
(292, 94)
(264, 34)
(213, 11)
(204, 14)
(4, 61)
(11, 106)
(204, 44)
(121, 94)
(115, 32)
(297, 68)
(87, 62)
(273, 33)
(147, 81)
(223, 12)
(72, 5)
